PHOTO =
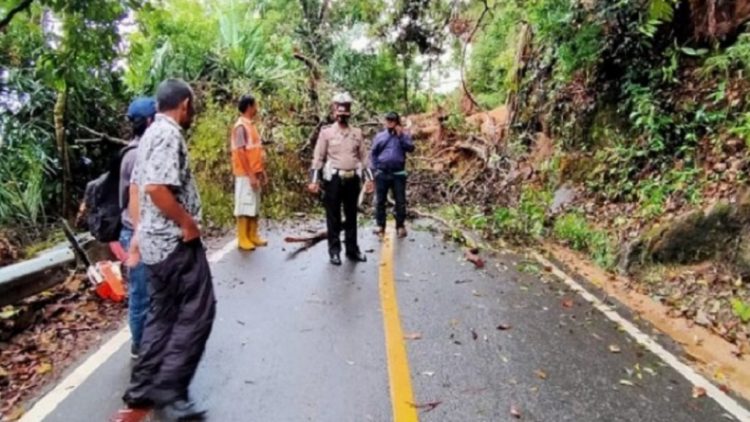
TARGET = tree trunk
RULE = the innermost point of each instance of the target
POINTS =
(62, 147)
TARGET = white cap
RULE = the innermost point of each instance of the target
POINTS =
(342, 98)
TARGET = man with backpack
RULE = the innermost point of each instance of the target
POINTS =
(141, 114)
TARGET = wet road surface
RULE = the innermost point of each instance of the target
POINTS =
(296, 339)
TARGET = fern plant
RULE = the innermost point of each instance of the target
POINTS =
(658, 13)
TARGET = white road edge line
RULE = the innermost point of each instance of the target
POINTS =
(47, 404)
(727, 402)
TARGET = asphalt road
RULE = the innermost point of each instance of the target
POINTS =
(299, 340)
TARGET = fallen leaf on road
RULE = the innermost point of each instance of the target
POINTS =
(614, 348)
(627, 382)
(476, 293)
(503, 327)
(541, 374)
(567, 303)
(698, 392)
(413, 336)
(649, 371)
(724, 388)
(426, 407)
(515, 412)
(474, 335)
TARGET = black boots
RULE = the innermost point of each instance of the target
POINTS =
(356, 257)
(335, 259)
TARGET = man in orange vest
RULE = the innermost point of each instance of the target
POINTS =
(249, 174)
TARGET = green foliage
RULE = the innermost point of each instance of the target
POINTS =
(580, 51)
(579, 235)
(210, 157)
(741, 309)
(734, 57)
(525, 220)
(374, 78)
(174, 40)
(658, 13)
(741, 128)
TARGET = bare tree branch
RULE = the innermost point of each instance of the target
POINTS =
(101, 136)
(466, 46)
(25, 4)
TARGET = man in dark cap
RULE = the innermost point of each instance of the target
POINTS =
(183, 305)
(388, 161)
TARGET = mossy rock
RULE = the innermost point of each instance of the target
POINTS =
(695, 236)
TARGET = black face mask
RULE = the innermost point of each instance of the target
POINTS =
(343, 119)
(392, 130)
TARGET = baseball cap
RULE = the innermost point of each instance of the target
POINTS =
(142, 107)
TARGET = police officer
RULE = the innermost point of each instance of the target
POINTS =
(339, 165)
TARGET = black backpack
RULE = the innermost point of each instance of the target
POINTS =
(102, 199)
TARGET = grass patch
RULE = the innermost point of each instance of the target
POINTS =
(573, 229)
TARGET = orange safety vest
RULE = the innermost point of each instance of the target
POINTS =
(253, 150)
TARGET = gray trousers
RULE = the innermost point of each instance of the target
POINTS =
(178, 324)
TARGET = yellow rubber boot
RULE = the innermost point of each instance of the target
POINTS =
(253, 233)
(243, 240)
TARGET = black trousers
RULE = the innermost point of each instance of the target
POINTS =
(337, 193)
(385, 181)
(178, 324)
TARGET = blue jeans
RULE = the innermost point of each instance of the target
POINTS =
(385, 181)
(137, 292)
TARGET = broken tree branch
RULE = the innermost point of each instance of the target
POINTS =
(13, 12)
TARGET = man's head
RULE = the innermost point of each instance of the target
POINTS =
(248, 106)
(342, 107)
(141, 114)
(175, 98)
(392, 119)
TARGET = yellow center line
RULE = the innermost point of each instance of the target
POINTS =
(402, 396)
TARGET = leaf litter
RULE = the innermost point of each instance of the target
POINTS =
(44, 334)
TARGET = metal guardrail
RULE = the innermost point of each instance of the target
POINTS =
(26, 278)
